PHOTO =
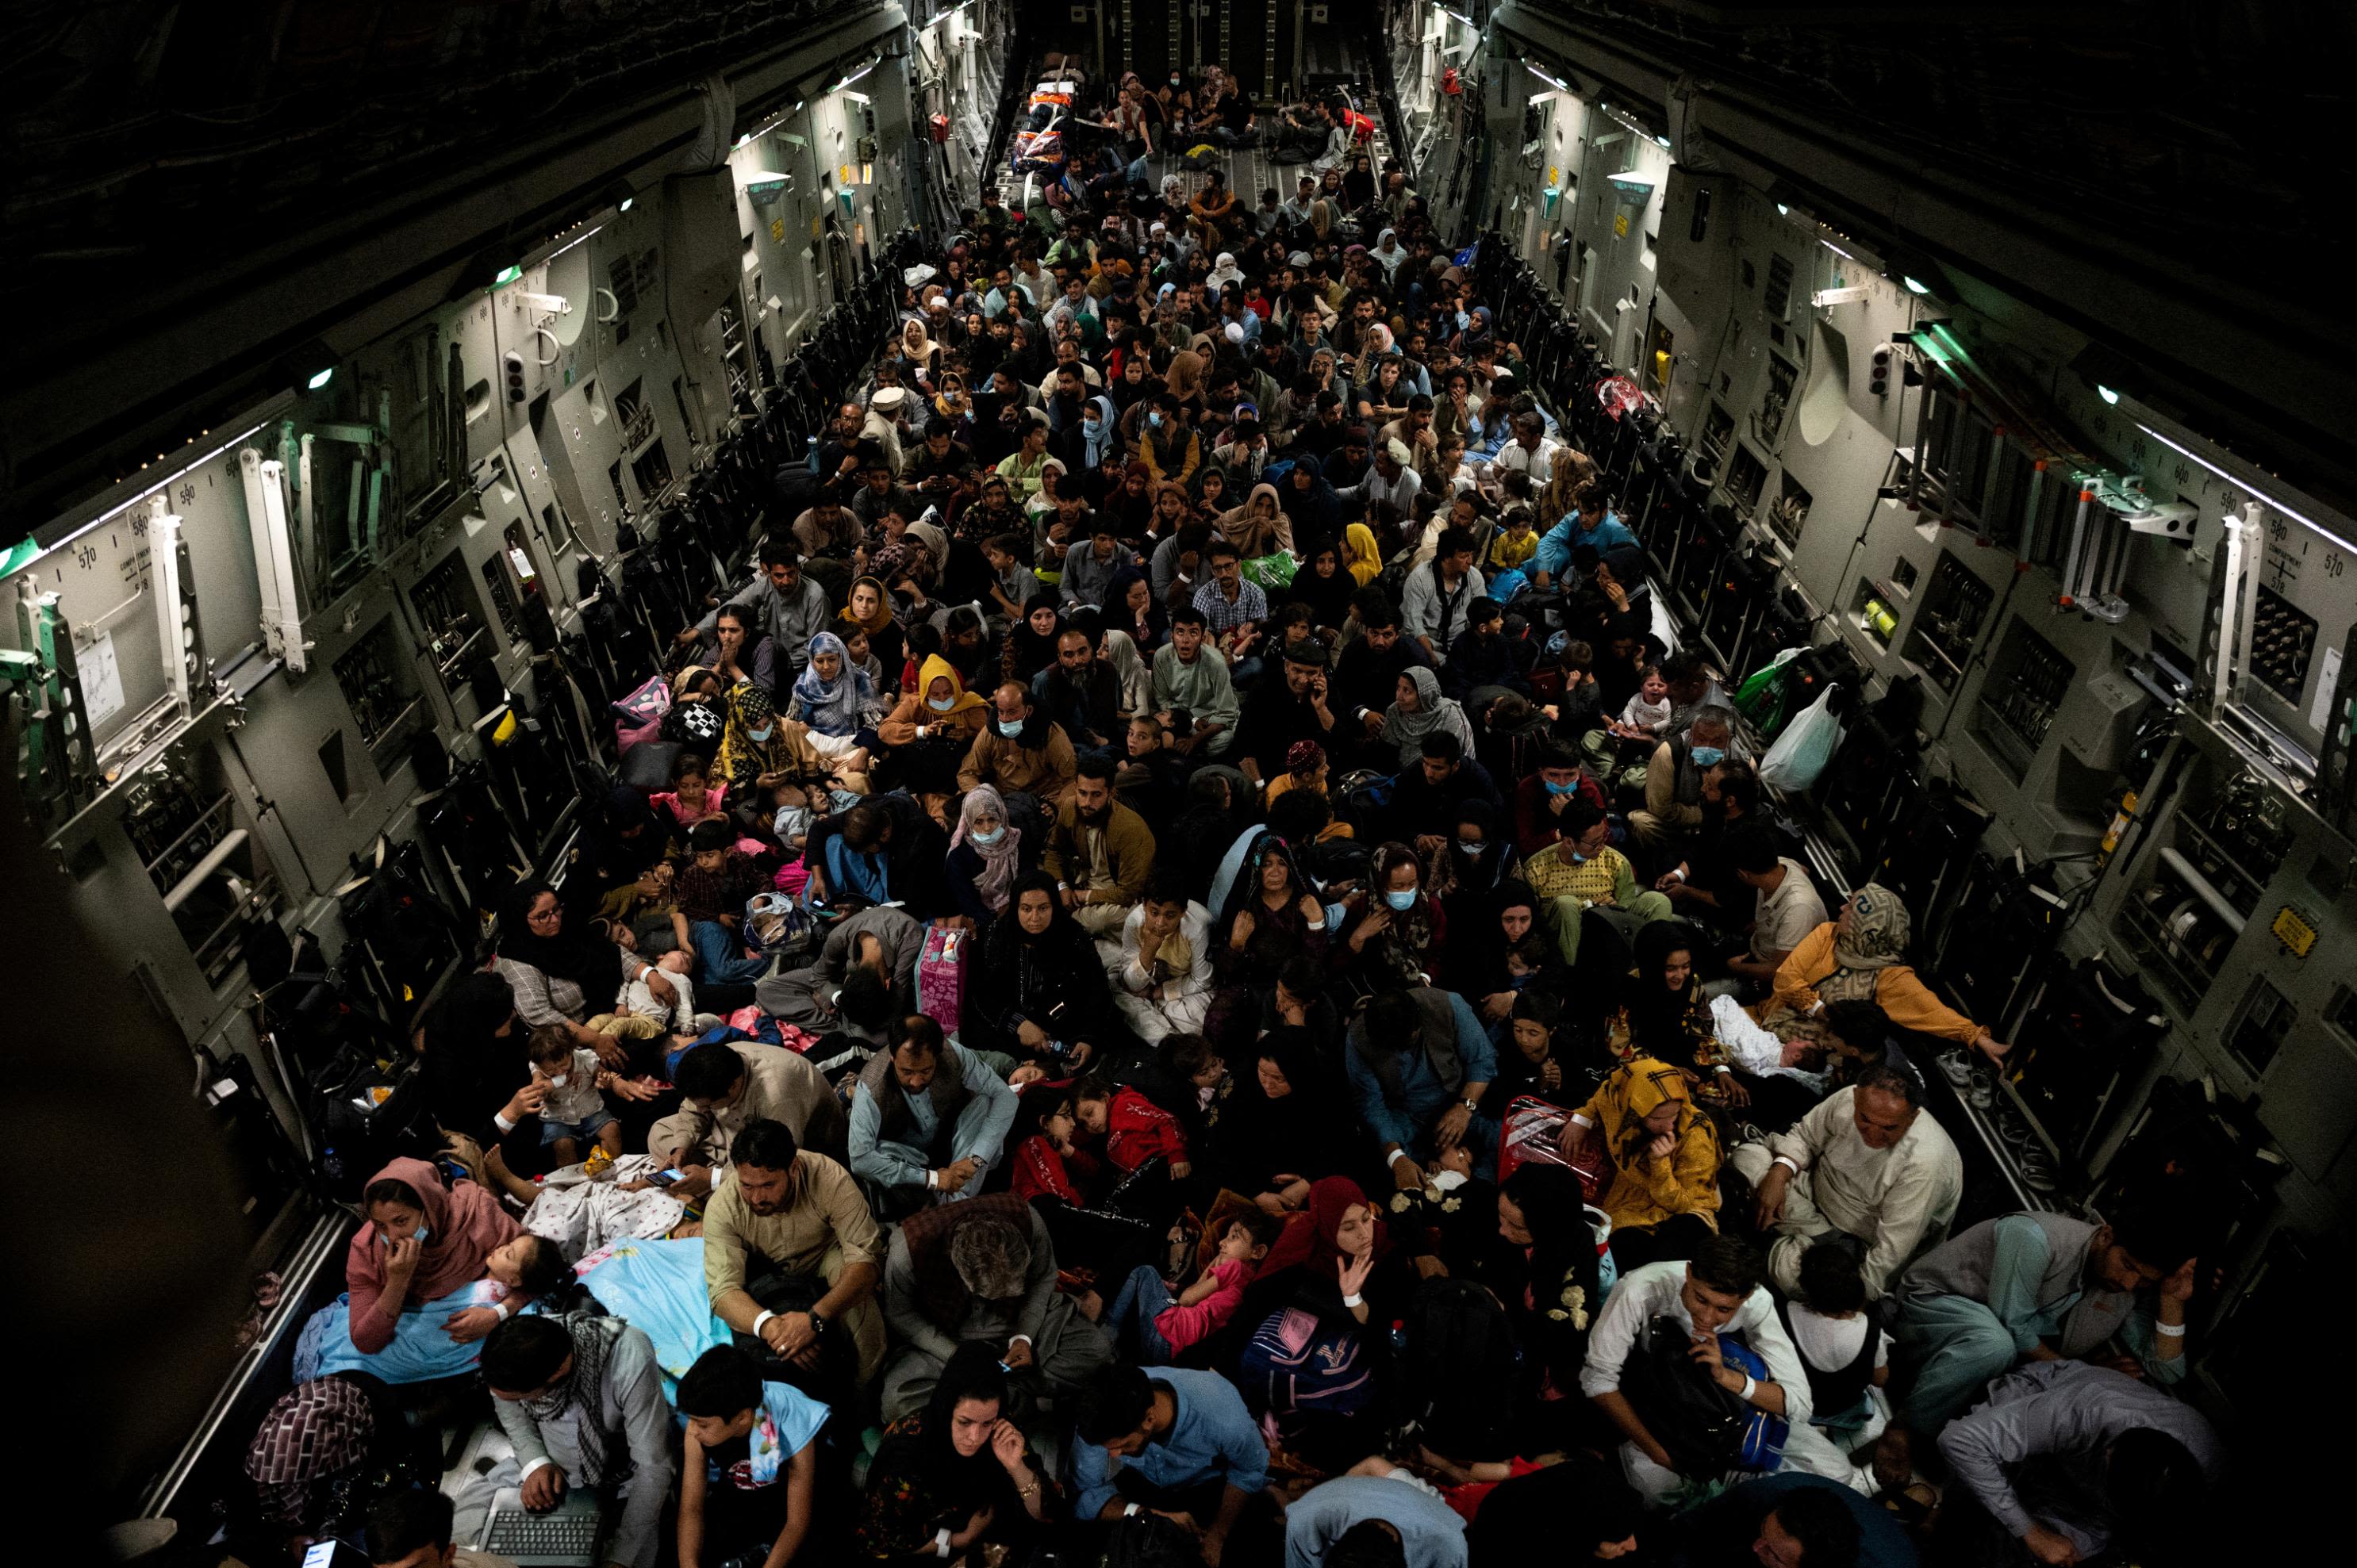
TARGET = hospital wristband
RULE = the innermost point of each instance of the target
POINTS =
(503, 1309)
(942, 1542)
(1354, 1301)
(1787, 1163)
(2170, 1330)
(1396, 1156)
(1749, 1389)
(764, 1317)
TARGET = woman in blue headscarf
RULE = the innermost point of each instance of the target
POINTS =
(837, 701)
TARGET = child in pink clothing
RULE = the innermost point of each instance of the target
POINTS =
(1163, 1326)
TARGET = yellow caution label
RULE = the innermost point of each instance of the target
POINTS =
(2292, 929)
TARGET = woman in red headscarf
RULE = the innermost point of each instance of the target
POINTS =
(423, 1240)
(1319, 1316)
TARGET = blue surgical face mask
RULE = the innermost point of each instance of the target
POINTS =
(1400, 900)
(1707, 756)
(1577, 858)
(1154, 417)
(1555, 789)
(1090, 420)
(762, 734)
(1010, 731)
(941, 704)
(991, 837)
(1464, 322)
(1518, 980)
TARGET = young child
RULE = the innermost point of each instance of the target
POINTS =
(1147, 1319)
(1011, 583)
(1842, 1346)
(694, 795)
(1648, 713)
(1050, 1163)
(1133, 1128)
(638, 1015)
(575, 1110)
(749, 1484)
(1518, 537)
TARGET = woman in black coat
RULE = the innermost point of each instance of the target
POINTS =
(1038, 992)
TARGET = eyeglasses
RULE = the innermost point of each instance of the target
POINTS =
(547, 917)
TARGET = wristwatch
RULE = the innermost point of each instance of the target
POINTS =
(818, 1324)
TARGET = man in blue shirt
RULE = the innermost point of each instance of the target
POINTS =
(1419, 1062)
(1374, 1495)
(1591, 525)
(1178, 1443)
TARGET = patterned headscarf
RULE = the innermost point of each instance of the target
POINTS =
(1878, 929)
(314, 1432)
(1000, 861)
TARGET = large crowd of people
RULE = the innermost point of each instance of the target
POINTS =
(1214, 986)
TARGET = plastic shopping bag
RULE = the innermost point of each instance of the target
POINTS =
(1801, 753)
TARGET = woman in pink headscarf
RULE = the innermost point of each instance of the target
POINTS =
(423, 1240)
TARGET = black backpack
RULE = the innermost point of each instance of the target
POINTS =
(1148, 1541)
(1700, 1423)
(1458, 1356)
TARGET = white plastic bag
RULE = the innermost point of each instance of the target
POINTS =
(1801, 753)
(1756, 1051)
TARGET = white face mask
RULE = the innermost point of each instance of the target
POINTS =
(560, 1080)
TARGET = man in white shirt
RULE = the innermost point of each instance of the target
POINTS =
(1532, 451)
(1866, 1165)
(1716, 1292)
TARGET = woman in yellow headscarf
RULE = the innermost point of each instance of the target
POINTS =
(1663, 1196)
(1360, 554)
(941, 708)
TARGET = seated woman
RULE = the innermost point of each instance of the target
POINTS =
(1273, 1129)
(423, 1241)
(839, 704)
(940, 713)
(1130, 607)
(749, 1483)
(986, 854)
(956, 1475)
(1257, 528)
(869, 609)
(1393, 931)
(1663, 1196)
(555, 972)
(1271, 914)
(765, 762)
(1038, 991)
(1316, 1319)
(1418, 709)
(746, 652)
(1477, 968)
(1859, 957)
(1669, 1020)
(314, 1464)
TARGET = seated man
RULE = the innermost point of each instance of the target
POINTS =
(1673, 806)
(1866, 1165)
(1419, 1062)
(1785, 906)
(581, 1401)
(1426, 798)
(725, 1086)
(883, 939)
(1581, 871)
(1178, 1443)
(1022, 752)
(789, 1262)
(1717, 1291)
(2042, 1287)
(1392, 1511)
(983, 1271)
(749, 1481)
(2065, 1457)
(1098, 851)
(928, 1119)
(1163, 974)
